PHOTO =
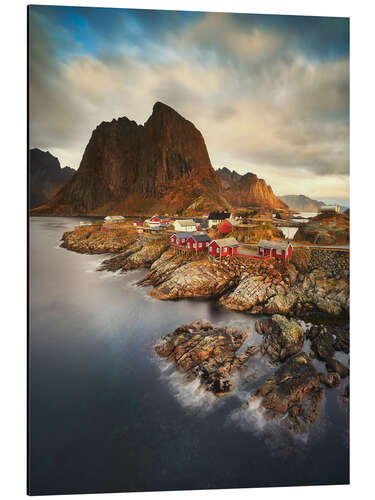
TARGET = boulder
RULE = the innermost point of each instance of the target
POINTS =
(333, 365)
(330, 379)
(208, 353)
(292, 394)
(283, 337)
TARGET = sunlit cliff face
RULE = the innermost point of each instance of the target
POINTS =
(268, 93)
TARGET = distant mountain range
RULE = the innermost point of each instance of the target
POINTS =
(161, 166)
(302, 203)
(248, 190)
(46, 176)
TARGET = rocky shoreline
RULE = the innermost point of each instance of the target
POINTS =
(291, 394)
(313, 285)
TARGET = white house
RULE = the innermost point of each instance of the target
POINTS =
(114, 218)
(183, 225)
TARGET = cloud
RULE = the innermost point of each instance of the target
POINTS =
(263, 100)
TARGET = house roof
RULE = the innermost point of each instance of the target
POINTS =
(219, 215)
(281, 245)
(227, 242)
(185, 222)
(183, 235)
(200, 237)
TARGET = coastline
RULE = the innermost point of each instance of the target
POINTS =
(314, 284)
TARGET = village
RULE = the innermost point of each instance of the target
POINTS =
(192, 237)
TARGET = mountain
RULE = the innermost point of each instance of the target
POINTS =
(161, 166)
(46, 176)
(228, 178)
(248, 190)
(302, 203)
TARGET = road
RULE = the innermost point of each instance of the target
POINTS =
(300, 245)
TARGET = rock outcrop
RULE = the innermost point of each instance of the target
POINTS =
(201, 351)
(327, 228)
(192, 279)
(291, 395)
(142, 253)
(162, 165)
(325, 341)
(283, 337)
(248, 190)
(91, 240)
(316, 282)
(46, 176)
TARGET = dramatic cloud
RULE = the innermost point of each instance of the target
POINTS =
(270, 94)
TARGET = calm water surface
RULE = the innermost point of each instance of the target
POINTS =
(106, 415)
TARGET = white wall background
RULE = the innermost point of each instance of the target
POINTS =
(13, 241)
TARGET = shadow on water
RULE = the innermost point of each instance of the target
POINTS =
(106, 415)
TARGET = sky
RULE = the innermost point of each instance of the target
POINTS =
(270, 94)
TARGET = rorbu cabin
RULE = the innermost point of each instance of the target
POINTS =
(198, 242)
(180, 239)
(223, 247)
(278, 249)
(225, 227)
(185, 225)
(154, 221)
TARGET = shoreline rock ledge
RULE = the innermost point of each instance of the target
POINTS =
(201, 351)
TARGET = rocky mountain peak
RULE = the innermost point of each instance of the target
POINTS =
(46, 176)
(161, 166)
(129, 168)
(248, 190)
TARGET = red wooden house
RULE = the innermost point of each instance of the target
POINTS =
(223, 247)
(225, 227)
(137, 223)
(154, 220)
(278, 249)
(180, 239)
(198, 242)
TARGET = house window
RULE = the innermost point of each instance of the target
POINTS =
(218, 250)
(199, 245)
(194, 245)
